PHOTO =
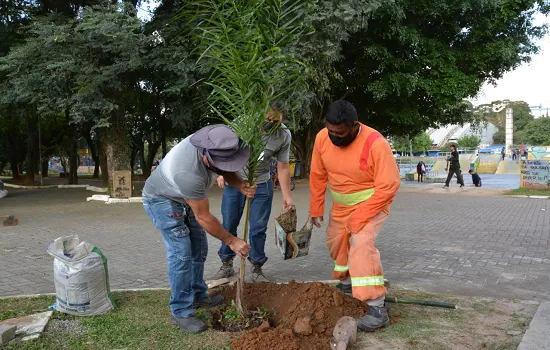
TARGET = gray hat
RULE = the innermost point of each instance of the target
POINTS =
(222, 147)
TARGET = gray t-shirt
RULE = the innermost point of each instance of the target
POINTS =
(181, 174)
(277, 145)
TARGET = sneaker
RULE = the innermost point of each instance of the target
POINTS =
(256, 275)
(376, 317)
(225, 271)
(346, 288)
(209, 302)
(445, 186)
(190, 324)
(461, 186)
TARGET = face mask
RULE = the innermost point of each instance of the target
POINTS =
(343, 141)
(269, 127)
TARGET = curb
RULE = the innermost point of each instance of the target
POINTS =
(109, 200)
(527, 196)
(87, 187)
(537, 336)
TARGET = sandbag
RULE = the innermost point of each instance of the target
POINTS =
(81, 277)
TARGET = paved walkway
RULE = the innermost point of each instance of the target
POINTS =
(435, 242)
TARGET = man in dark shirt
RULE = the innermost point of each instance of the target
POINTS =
(475, 178)
(454, 168)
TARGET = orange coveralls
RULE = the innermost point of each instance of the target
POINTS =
(363, 179)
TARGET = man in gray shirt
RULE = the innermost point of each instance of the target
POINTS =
(174, 198)
(276, 138)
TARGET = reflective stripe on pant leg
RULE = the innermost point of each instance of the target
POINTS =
(338, 244)
(367, 276)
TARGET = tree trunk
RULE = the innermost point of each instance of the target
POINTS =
(44, 167)
(13, 153)
(32, 144)
(162, 136)
(93, 146)
(116, 146)
(304, 139)
(102, 159)
(133, 156)
(72, 149)
(148, 164)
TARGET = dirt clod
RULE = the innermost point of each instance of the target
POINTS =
(264, 327)
(338, 300)
(311, 306)
(302, 326)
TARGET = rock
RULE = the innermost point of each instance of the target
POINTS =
(302, 326)
(29, 327)
(7, 333)
(338, 300)
(514, 332)
(264, 327)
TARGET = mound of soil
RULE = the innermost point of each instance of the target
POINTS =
(305, 315)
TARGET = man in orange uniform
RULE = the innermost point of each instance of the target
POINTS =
(358, 165)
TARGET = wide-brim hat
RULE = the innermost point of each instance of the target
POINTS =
(222, 147)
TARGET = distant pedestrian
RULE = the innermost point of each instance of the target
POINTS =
(454, 168)
(502, 154)
(421, 170)
(475, 178)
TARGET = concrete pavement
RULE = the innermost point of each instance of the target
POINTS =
(435, 242)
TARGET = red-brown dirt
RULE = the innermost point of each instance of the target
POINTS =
(306, 314)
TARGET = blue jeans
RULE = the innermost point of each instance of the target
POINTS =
(233, 202)
(186, 251)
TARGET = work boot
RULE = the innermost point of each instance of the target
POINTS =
(225, 271)
(346, 288)
(376, 317)
(190, 324)
(256, 275)
(209, 302)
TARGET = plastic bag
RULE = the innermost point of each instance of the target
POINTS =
(292, 243)
(81, 277)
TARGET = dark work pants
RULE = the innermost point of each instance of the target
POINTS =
(458, 176)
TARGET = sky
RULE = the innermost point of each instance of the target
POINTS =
(529, 82)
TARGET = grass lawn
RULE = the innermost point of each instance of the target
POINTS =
(142, 321)
(528, 192)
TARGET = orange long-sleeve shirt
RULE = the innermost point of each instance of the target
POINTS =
(366, 163)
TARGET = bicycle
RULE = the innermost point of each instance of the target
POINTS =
(275, 180)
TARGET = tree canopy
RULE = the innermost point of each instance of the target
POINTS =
(92, 70)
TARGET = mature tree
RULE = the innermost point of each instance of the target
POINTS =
(469, 141)
(411, 63)
(41, 74)
(537, 132)
(422, 143)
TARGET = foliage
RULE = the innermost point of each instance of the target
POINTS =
(538, 132)
(469, 141)
(421, 142)
(241, 43)
(522, 116)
